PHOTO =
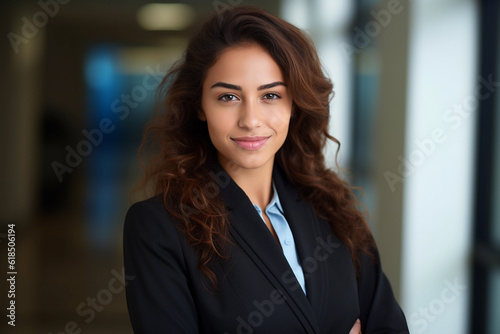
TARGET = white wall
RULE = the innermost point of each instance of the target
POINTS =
(438, 187)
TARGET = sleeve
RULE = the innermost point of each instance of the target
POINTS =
(380, 312)
(158, 297)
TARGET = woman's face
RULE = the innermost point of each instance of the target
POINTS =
(247, 107)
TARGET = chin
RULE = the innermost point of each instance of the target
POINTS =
(248, 163)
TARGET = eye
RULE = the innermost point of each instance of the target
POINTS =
(227, 98)
(271, 96)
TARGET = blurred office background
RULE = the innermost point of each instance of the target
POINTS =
(416, 110)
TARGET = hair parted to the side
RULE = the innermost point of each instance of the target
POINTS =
(179, 168)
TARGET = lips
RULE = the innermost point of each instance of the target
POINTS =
(251, 143)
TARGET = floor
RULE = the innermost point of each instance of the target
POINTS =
(62, 281)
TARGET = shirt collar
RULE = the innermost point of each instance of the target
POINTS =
(275, 202)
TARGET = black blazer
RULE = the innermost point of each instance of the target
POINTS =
(257, 291)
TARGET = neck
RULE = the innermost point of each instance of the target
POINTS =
(256, 182)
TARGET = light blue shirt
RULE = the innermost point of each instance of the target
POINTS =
(275, 213)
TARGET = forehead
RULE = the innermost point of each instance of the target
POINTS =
(244, 64)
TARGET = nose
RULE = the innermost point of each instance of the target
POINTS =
(250, 115)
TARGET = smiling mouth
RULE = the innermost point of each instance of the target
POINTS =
(251, 143)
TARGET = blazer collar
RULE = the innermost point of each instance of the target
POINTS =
(254, 238)
(304, 225)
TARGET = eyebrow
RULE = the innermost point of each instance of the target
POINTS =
(235, 87)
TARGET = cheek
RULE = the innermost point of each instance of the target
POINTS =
(280, 121)
(213, 117)
(218, 127)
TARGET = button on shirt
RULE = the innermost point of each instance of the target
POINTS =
(274, 212)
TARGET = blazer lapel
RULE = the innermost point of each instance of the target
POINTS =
(304, 225)
(330, 294)
(257, 242)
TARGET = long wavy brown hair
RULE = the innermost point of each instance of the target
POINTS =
(181, 145)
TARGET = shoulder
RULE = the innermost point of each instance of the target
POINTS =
(148, 221)
(150, 206)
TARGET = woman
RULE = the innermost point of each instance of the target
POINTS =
(249, 232)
